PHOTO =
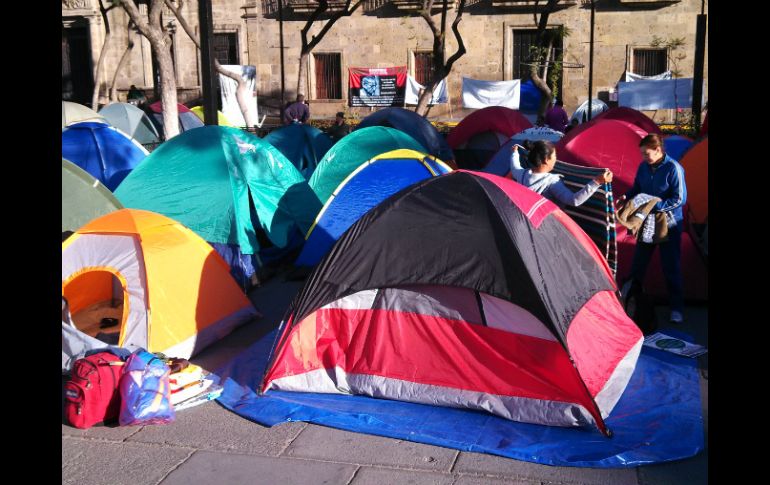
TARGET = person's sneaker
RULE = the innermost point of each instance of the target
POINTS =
(676, 317)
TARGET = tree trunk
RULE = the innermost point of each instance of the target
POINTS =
(542, 85)
(441, 69)
(534, 68)
(98, 74)
(102, 57)
(423, 102)
(309, 45)
(121, 65)
(152, 29)
(168, 88)
(302, 78)
(242, 93)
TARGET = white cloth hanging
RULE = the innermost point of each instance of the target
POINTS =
(480, 94)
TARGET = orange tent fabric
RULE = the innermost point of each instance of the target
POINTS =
(696, 174)
(178, 294)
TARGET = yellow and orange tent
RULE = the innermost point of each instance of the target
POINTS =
(176, 292)
(221, 118)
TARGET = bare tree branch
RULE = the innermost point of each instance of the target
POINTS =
(538, 57)
(308, 46)
(441, 68)
(460, 44)
(122, 63)
(155, 33)
(182, 21)
(241, 90)
(348, 11)
(102, 55)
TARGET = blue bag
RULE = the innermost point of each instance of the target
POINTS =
(144, 391)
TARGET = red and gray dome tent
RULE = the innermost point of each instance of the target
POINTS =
(464, 290)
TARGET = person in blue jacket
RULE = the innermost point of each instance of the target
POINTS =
(542, 159)
(661, 176)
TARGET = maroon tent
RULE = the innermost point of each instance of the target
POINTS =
(187, 119)
(519, 319)
(630, 115)
(704, 129)
(496, 120)
(477, 138)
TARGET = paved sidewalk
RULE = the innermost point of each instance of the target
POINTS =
(211, 445)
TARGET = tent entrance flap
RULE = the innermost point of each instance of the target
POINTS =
(97, 304)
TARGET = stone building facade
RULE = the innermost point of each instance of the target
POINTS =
(386, 33)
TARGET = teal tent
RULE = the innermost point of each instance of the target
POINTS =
(226, 185)
(83, 198)
(302, 144)
(353, 150)
(132, 121)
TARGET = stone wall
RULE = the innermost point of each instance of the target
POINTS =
(374, 39)
(365, 40)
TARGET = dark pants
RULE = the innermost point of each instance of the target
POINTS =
(670, 256)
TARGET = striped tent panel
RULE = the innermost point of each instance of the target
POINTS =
(596, 216)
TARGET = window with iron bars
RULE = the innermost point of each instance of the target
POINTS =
(649, 62)
(328, 76)
(225, 47)
(523, 41)
(423, 67)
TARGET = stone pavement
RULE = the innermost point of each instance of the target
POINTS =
(209, 444)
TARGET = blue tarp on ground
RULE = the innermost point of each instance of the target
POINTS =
(373, 182)
(657, 419)
(101, 150)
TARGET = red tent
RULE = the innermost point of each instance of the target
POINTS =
(630, 115)
(477, 138)
(503, 323)
(187, 119)
(498, 120)
(157, 107)
(613, 144)
(704, 128)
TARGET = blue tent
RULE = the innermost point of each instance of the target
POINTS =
(676, 146)
(581, 113)
(371, 183)
(302, 144)
(351, 151)
(101, 150)
(413, 125)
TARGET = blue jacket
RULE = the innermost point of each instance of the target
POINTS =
(666, 181)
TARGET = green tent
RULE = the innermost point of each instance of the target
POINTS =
(351, 151)
(75, 113)
(132, 121)
(83, 198)
(203, 178)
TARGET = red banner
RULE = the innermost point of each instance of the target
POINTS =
(377, 86)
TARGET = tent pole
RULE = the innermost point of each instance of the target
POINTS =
(591, 65)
